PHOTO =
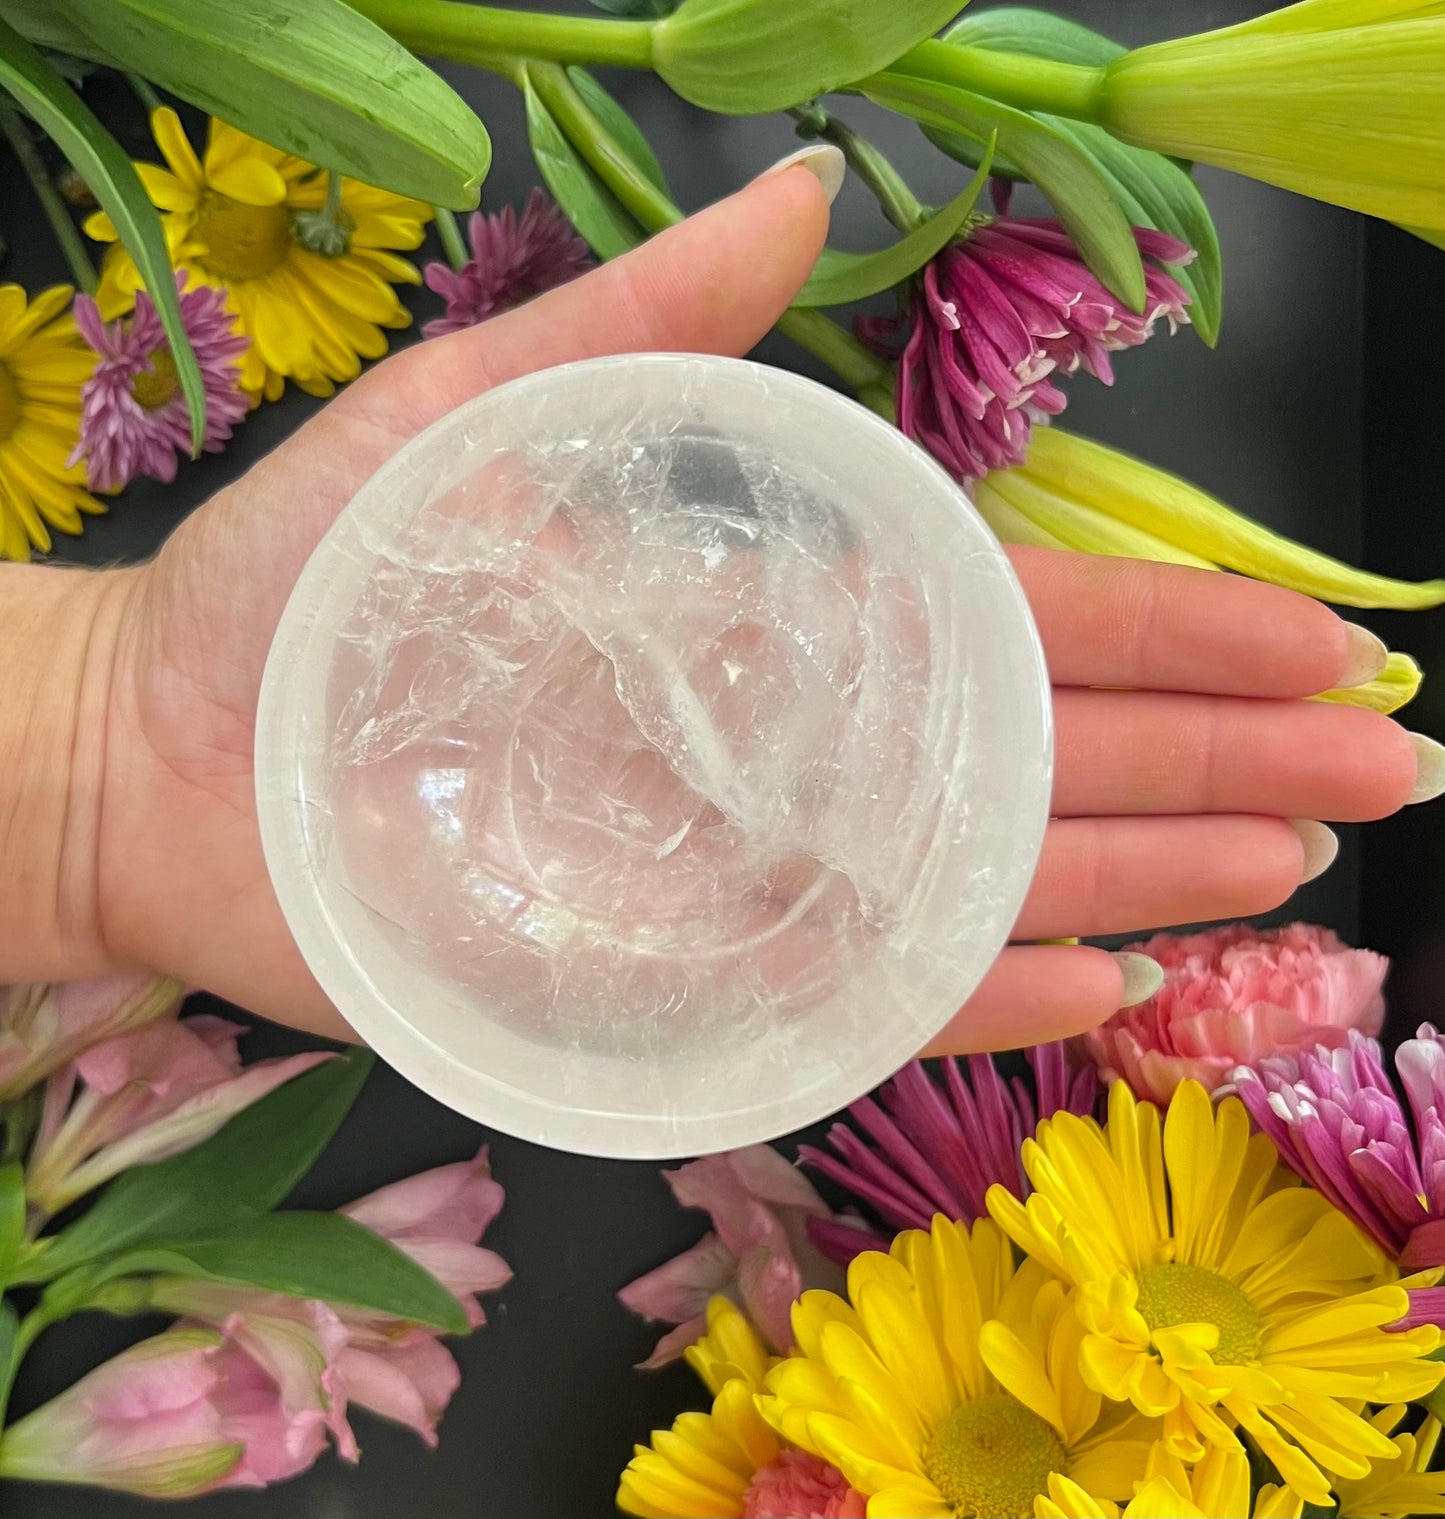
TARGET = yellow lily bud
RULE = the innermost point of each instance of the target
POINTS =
(1082, 495)
(1397, 684)
(1342, 100)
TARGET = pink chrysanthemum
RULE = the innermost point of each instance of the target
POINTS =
(512, 260)
(939, 1149)
(133, 417)
(997, 318)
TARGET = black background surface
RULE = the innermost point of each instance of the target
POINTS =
(1320, 412)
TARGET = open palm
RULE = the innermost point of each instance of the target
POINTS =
(1170, 795)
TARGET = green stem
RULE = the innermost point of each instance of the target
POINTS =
(145, 93)
(878, 396)
(1032, 84)
(57, 213)
(604, 154)
(900, 205)
(839, 350)
(25, 1334)
(450, 236)
(332, 207)
(477, 33)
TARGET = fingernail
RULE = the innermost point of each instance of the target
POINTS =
(1143, 977)
(1430, 768)
(823, 161)
(1321, 846)
(1368, 656)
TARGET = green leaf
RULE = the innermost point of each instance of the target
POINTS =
(619, 125)
(590, 206)
(1153, 190)
(12, 1217)
(101, 162)
(751, 56)
(646, 9)
(1035, 34)
(241, 1172)
(312, 77)
(841, 278)
(326, 1256)
(9, 1364)
(1084, 199)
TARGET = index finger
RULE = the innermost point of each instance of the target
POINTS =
(1162, 627)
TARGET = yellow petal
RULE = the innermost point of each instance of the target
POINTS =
(176, 148)
(1396, 686)
(164, 189)
(1189, 518)
(250, 181)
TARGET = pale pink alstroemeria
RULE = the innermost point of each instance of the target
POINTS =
(326, 1357)
(173, 1417)
(437, 1218)
(142, 1096)
(43, 1026)
(757, 1253)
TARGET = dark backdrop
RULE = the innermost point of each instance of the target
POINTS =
(1319, 413)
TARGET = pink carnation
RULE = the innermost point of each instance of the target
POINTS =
(798, 1485)
(1234, 996)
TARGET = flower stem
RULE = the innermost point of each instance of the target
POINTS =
(20, 1342)
(145, 93)
(899, 204)
(655, 211)
(837, 348)
(450, 236)
(604, 154)
(476, 33)
(57, 213)
(1036, 84)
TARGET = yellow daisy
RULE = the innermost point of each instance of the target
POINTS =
(728, 1463)
(238, 220)
(949, 1384)
(43, 364)
(1215, 1290)
(1401, 1484)
(1218, 1488)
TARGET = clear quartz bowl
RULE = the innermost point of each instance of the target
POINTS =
(654, 755)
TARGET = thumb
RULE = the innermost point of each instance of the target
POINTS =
(714, 283)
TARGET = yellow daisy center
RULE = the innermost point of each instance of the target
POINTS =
(242, 242)
(993, 1456)
(9, 402)
(154, 386)
(1176, 1293)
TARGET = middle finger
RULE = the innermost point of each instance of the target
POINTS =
(1141, 752)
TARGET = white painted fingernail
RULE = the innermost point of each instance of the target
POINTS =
(1143, 977)
(1430, 768)
(1321, 845)
(822, 160)
(1368, 656)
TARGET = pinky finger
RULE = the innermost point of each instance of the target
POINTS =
(1037, 993)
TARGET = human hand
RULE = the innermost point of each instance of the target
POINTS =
(1170, 797)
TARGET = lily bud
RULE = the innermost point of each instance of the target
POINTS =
(1071, 492)
(1342, 100)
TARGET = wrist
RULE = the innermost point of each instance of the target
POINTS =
(59, 633)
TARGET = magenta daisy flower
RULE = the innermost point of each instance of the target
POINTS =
(133, 417)
(940, 1150)
(512, 260)
(997, 319)
(1335, 1118)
